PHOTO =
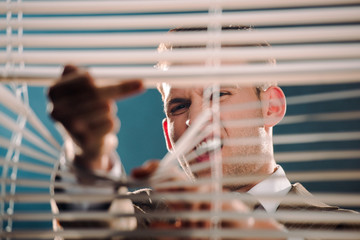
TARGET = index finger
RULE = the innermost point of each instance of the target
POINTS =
(121, 90)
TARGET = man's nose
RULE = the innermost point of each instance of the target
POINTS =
(194, 112)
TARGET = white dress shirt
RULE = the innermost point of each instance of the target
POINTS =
(277, 185)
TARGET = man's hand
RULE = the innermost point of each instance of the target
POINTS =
(232, 207)
(86, 111)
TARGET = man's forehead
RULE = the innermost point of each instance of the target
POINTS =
(170, 91)
(166, 88)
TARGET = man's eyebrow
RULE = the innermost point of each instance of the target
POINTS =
(176, 100)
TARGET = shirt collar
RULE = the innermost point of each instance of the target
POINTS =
(276, 184)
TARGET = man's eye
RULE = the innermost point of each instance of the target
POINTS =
(220, 94)
(179, 109)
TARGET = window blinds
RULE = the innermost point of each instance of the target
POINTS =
(46, 34)
(314, 43)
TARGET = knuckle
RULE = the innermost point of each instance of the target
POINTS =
(110, 126)
(57, 114)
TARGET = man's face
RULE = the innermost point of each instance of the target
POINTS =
(184, 105)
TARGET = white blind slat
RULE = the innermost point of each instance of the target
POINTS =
(246, 54)
(259, 18)
(274, 35)
(155, 5)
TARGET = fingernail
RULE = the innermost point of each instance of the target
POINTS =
(69, 69)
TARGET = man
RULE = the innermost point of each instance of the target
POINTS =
(91, 123)
(86, 112)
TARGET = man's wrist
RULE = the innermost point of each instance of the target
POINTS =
(112, 169)
(101, 163)
(92, 159)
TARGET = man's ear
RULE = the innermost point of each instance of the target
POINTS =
(273, 105)
(166, 134)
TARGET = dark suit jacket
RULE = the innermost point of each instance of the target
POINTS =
(146, 206)
(310, 204)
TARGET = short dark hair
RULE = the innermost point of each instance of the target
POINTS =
(223, 28)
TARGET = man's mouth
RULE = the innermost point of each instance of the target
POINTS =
(204, 148)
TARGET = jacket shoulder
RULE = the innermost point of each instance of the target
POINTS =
(306, 202)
